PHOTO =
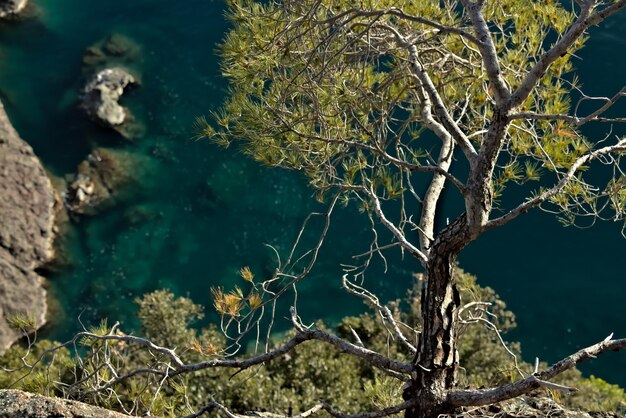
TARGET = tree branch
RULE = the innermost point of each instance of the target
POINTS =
(487, 51)
(398, 12)
(301, 336)
(576, 120)
(480, 397)
(388, 157)
(434, 98)
(309, 412)
(620, 146)
(391, 227)
(567, 118)
(584, 22)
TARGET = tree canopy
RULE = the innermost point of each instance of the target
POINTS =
(386, 103)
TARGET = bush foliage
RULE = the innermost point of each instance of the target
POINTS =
(314, 371)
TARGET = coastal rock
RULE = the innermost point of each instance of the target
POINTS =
(100, 180)
(18, 404)
(11, 7)
(100, 98)
(26, 230)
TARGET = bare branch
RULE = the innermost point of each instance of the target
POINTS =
(573, 119)
(434, 98)
(488, 396)
(433, 193)
(388, 157)
(576, 120)
(487, 51)
(391, 227)
(384, 311)
(301, 336)
(309, 412)
(620, 146)
(398, 12)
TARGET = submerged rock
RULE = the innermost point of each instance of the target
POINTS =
(101, 179)
(26, 231)
(100, 98)
(118, 45)
(11, 7)
(115, 49)
(140, 214)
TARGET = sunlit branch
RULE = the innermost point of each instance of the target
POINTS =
(388, 157)
(213, 405)
(385, 313)
(479, 397)
(577, 120)
(567, 118)
(398, 12)
(585, 20)
(434, 97)
(620, 146)
(487, 50)
(399, 235)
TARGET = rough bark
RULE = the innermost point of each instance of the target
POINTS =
(479, 198)
(437, 359)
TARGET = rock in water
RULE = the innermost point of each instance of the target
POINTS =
(26, 230)
(101, 96)
(102, 179)
(115, 50)
(11, 7)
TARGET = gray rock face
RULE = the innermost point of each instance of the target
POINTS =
(11, 7)
(26, 230)
(101, 180)
(18, 404)
(102, 93)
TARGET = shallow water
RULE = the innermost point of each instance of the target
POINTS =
(200, 213)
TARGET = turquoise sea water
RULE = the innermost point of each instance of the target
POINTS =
(200, 213)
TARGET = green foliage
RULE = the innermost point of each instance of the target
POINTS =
(312, 372)
(166, 320)
(53, 365)
(333, 95)
(24, 322)
(594, 394)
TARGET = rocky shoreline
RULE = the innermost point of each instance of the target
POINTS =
(27, 219)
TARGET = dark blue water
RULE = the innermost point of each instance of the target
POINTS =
(198, 213)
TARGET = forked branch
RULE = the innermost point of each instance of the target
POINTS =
(585, 20)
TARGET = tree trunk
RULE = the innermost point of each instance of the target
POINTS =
(437, 359)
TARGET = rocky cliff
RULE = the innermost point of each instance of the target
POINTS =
(26, 230)
(17, 404)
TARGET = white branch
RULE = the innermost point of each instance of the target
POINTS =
(213, 405)
(620, 146)
(477, 397)
(576, 120)
(397, 233)
(487, 51)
